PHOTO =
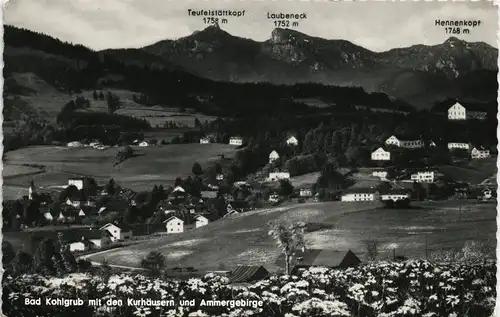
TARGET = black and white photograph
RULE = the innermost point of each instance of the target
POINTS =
(249, 158)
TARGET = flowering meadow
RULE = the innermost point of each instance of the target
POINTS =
(381, 289)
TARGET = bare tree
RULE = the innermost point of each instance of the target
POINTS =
(290, 238)
(371, 248)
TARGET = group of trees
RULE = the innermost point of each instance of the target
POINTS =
(52, 257)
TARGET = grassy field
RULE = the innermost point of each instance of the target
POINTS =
(152, 165)
(47, 102)
(243, 239)
(474, 172)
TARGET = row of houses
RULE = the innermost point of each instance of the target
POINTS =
(291, 140)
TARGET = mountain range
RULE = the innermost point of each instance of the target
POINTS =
(420, 74)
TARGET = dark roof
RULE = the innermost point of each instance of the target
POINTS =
(248, 273)
(325, 258)
(359, 190)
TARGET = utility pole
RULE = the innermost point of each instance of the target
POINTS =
(426, 255)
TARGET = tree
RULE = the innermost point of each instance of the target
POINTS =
(290, 238)
(43, 261)
(94, 95)
(371, 247)
(154, 261)
(113, 102)
(101, 95)
(197, 170)
(21, 263)
(286, 188)
(8, 253)
(111, 187)
(105, 270)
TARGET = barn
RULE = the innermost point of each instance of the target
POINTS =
(248, 273)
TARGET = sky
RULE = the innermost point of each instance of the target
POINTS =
(375, 25)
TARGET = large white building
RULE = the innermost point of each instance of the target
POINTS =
(273, 156)
(479, 153)
(408, 144)
(460, 112)
(360, 194)
(277, 175)
(381, 155)
(174, 225)
(424, 177)
(395, 196)
(236, 140)
(459, 145)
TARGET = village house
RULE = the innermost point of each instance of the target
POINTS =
(305, 192)
(480, 153)
(219, 177)
(408, 143)
(274, 198)
(118, 232)
(75, 144)
(236, 140)
(143, 144)
(77, 182)
(321, 258)
(48, 216)
(460, 112)
(424, 176)
(396, 195)
(381, 155)
(273, 156)
(459, 145)
(278, 175)
(89, 240)
(382, 174)
(205, 140)
(291, 140)
(360, 194)
(203, 220)
(174, 225)
(73, 202)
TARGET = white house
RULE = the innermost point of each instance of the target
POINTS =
(205, 140)
(236, 140)
(174, 225)
(48, 216)
(395, 196)
(143, 144)
(74, 203)
(381, 155)
(457, 112)
(305, 192)
(277, 175)
(219, 177)
(75, 144)
(273, 156)
(81, 213)
(274, 198)
(424, 177)
(117, 232)
(432, 144)
(480, 153)
(77, 182)
(292, 140)
(380, 174)
(409, 144)
(78, 246)
(179, 189)
(201, 221)
(459, 145)
(360, 194)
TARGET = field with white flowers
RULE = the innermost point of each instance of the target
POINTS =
(382, 289)
(244, 239)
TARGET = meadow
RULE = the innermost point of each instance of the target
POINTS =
(151, 165)
(243, 239)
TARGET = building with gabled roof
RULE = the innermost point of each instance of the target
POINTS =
(321, 258)
(174, 224)
(273, 156)
(360, 194)
(381, 155)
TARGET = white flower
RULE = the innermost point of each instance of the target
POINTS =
(142, 312)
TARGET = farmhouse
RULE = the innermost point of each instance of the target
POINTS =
(278, 175)
(408, 143)
(77, 182)
(118, 231)
(143, 144)
(274, 198)
(381, 155)
(248, 273)
(480, 153)
(203, 220)
(219, 177)
(424, 176)
(174, 225)
(90, 239)
(205, 140)
(321, 258)
(75, 144)
(291, 140)
(396, 195)
(72, 202)
(360, 194)
(382, 174)
(273, 156)
(236, 140)
(466, 112)
(305, 192)
(48, 216)
(459, 145)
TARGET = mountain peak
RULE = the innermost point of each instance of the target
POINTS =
(454, 40)
(285, 35)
